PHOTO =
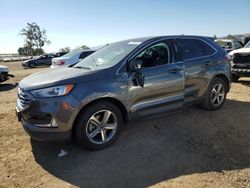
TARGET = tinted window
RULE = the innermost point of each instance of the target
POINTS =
(194, 48)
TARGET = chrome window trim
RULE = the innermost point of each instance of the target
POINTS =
(168, 38)
(136, 53)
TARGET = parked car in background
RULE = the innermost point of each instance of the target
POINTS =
(42, 60)
(229, 44)
(132, 78)
(70, 58)
(4, 73)
(7, 59)
(240, 62)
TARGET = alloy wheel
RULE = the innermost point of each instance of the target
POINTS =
(101, 127)
(218, 94)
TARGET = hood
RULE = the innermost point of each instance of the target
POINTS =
(4, 68)
(59, 77)
(241, 50)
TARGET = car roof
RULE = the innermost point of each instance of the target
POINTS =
(143, 39)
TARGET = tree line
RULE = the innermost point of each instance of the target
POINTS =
(35, 39)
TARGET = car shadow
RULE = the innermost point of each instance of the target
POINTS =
(244, 82)
(157, 149)
(40, 66)
(7, 87)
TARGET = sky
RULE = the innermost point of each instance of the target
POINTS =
(75, 23)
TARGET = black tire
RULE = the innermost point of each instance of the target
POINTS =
(208, 101)
(32, 65)
(83, 125)
(235, 78)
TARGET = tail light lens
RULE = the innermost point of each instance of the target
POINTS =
(60, 62)
(228, 57)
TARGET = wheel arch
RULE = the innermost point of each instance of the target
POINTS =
(112, 100)
(32, 62)
(225, 78)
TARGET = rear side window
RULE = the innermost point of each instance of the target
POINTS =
(194, 48)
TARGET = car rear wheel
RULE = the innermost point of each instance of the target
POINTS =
(215, 95)
(32, 65)
(99, 126)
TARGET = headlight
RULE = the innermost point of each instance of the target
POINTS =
(52, 91)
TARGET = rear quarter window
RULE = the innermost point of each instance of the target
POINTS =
(195, 48)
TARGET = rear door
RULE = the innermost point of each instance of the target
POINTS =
(40, 60)
(197, 55)
(164, 81)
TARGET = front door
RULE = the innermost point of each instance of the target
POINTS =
(163, 88)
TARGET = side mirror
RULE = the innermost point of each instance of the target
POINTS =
(139, 78)
(135, 65)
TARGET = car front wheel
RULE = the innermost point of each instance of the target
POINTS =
(215, 95)
(32, 65)
(99, 126)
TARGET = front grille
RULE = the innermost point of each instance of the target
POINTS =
(24, 100)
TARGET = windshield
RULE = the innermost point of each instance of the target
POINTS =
(72, 53)
(247, 45)
(108, 56)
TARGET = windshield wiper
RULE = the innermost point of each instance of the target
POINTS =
(79, 67)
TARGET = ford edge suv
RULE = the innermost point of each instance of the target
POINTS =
(124, 80)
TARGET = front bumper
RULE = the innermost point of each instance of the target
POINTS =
(45, 134)
(38, 117)
(241, 72)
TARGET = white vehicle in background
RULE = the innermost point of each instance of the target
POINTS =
(7, 59)
(229, 44)
(240, 62)
(70, 58)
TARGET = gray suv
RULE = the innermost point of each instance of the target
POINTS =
(134, 78)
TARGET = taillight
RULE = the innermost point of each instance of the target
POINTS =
(60, 63)
(228, 57)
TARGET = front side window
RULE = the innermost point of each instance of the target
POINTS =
(158, 54)
(194, 48)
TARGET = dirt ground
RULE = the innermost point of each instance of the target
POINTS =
(193, 148)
